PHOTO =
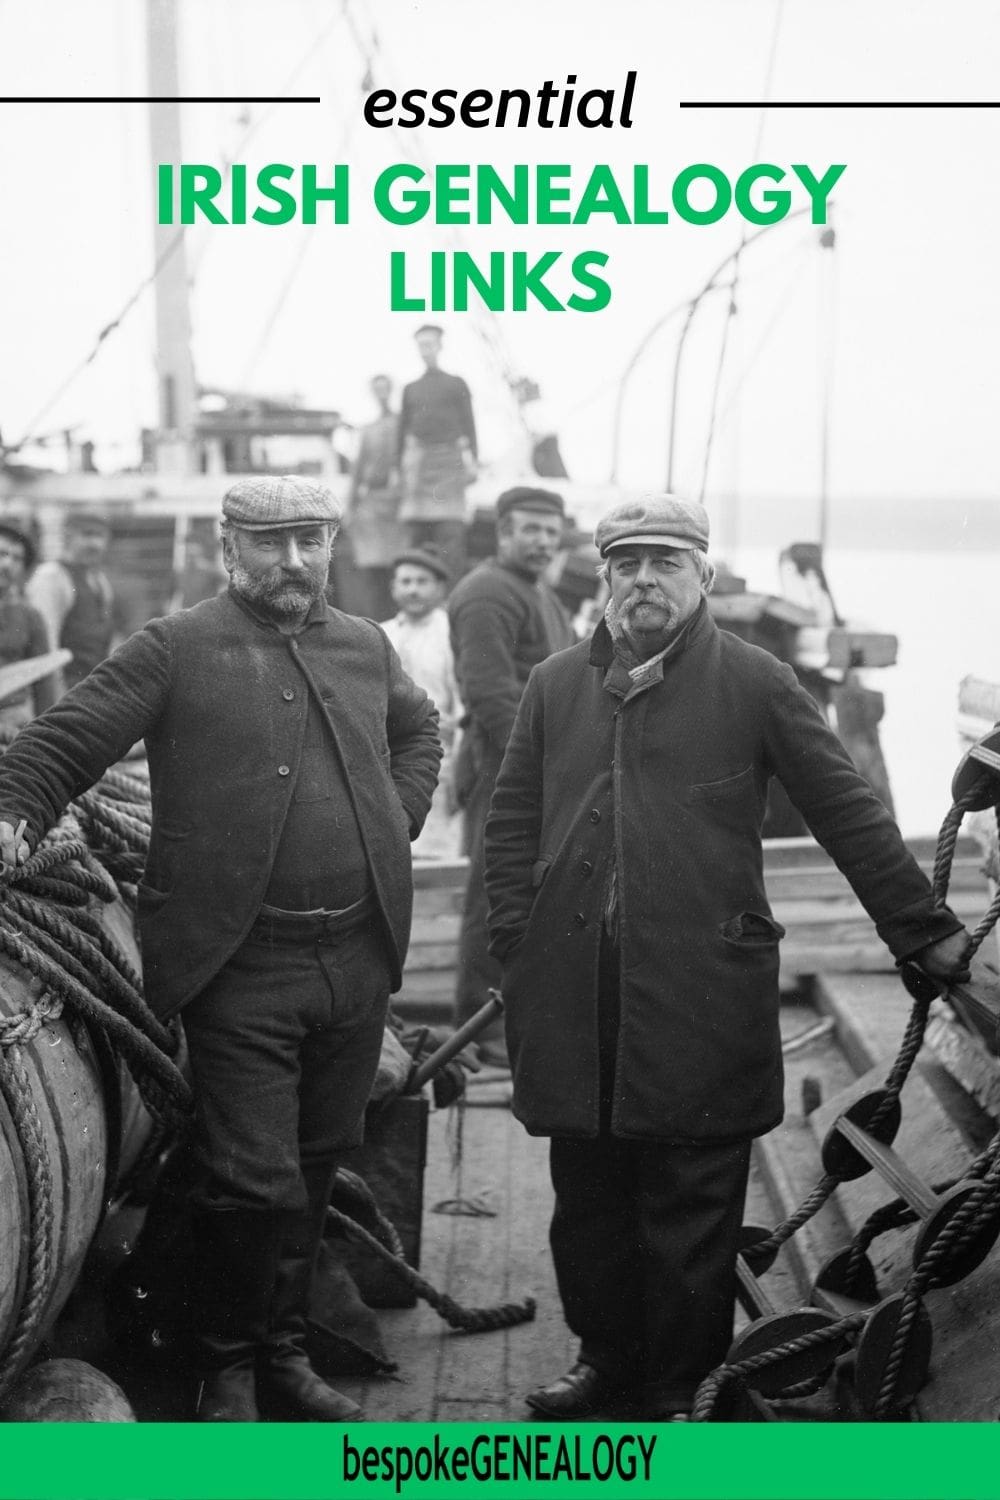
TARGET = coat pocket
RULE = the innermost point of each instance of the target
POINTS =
(721, 791)
(148, 900)
(752, 929)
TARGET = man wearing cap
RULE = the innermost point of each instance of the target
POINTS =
(74, 596)
(420, 635)
(372, 525)
(436, 453)
(505, 619)
(22, 631)
(291, 762)
(640, 957)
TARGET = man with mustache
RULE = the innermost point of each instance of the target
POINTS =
(291, 763)
(640, 958)
(504, 620)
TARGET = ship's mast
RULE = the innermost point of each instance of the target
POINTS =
(177, 401)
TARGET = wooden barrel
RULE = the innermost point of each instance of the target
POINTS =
(66, 1390)
(92, 1128)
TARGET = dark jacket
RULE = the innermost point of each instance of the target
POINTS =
(503, 623)
(674, 776)
(220, 698)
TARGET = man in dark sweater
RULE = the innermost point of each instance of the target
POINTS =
(291, 762)
(74, 596)
(505, 619)
(437, 454)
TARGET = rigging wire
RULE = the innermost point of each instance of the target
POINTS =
(827, 318)
(306, 242)
(168, 250)
(717, 386)
(487, 329)
(737, 260)
(781, 308)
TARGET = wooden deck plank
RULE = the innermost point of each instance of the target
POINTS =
(538, 1351)
(474, 1370)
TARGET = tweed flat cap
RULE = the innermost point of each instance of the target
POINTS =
(526, 497)
(428, 556)
(261, 502)
(656, 521)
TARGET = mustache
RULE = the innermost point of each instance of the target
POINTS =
(649, 596)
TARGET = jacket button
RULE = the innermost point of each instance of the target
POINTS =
(287, 694)
(595, 816)
(580, 919)
(283, 771)
(587, 867)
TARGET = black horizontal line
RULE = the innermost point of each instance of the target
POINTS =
(840, 104)
(156, 99)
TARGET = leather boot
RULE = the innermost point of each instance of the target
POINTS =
(235, 1260)
(290, 1389)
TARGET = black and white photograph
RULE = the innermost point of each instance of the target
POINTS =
(500, 717)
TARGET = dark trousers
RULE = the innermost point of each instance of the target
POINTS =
(644, 1239)
(477, 970)
(283, 1046)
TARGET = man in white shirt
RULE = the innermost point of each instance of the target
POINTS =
(420, 635)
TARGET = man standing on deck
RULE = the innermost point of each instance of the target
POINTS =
(505, 619)
(22, 630)
(74, 596)
(372, 523)
(291, 762)
(640, 959)
(437, 454)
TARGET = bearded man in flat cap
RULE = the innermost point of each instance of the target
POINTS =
(640, 958)
(291, 762)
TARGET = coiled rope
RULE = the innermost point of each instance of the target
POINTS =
(50, 927)
(386, 1244)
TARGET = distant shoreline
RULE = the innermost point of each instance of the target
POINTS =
(956, 526)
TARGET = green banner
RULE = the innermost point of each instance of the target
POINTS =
(798, 1461)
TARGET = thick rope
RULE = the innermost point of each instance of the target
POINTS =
(468, 1319)
(711, 1387)
(16, 1088)
(50, 928)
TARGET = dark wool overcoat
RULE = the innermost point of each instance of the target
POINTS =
(670, 778)
(220, 697)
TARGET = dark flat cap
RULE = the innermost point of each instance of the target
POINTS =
(428, 556)
(655, 521)
(263, 502)
(527, 497)
(14, 533)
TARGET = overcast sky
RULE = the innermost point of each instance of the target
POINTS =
(892, 335)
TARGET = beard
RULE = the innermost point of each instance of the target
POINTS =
(275, 593)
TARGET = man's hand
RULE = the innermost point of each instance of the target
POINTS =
(13, 845)
(945, 960)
